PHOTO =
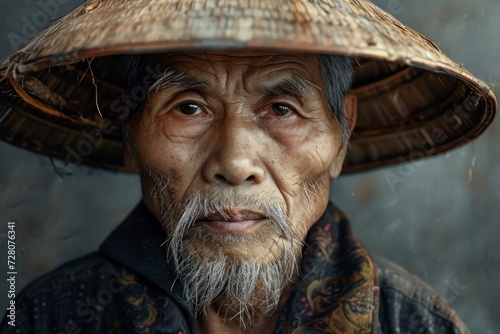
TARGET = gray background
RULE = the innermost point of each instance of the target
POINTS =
(441, 222)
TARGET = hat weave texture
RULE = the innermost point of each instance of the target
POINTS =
(61, 89)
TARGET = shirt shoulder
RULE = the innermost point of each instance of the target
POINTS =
(93, 294)
(60, 295)
(409, 305)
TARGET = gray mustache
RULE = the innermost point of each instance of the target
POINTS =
(198, 206)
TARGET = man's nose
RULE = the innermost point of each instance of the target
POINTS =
(234, 159)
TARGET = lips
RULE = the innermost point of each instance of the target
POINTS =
(232, 221)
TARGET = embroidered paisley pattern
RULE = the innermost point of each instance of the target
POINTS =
(338, 290)
(149, 310)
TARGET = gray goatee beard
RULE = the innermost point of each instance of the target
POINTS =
(244, 284)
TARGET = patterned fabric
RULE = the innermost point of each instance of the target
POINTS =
(338, 290)
(129, 287)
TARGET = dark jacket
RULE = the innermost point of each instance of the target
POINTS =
(128, 286)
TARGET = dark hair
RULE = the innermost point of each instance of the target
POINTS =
(338, 74)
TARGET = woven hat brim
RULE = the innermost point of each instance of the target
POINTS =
(413, 100)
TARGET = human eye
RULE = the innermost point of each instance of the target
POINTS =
(189, 109)
(281, 109)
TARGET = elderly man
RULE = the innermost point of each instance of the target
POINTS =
(236, 116)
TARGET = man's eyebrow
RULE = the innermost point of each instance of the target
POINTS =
(172, 77)
(292, 86)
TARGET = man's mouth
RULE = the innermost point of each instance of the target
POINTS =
(234, 221)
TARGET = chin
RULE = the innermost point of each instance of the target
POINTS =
(248, 273)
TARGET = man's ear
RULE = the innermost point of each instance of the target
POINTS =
(350, 104)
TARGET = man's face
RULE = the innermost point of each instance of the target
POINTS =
(243, 135)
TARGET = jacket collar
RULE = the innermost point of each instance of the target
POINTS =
(138, 244)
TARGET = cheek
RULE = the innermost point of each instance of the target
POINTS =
(162, 159)
(308, 152)
(304, 179)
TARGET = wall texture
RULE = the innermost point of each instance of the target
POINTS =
(441, 222)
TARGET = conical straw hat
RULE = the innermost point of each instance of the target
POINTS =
(413, 101)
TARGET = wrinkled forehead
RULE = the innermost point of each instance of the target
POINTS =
(246, 62)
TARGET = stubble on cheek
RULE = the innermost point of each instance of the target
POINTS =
(159, 193)
(310, 202)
